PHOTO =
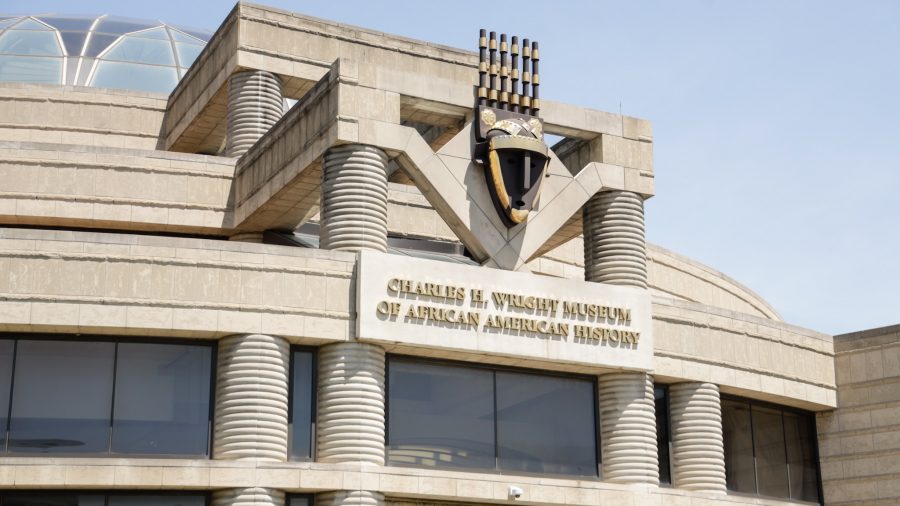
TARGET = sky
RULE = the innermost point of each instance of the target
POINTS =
(776, 124)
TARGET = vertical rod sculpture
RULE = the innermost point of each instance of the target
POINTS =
(525, 101)
(504, 73)
(482, 67)
(492, 93)
(514, 97)
(535, 80)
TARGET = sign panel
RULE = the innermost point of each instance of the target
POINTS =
(433, 304)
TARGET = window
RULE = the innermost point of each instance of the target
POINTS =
(93, 498)
(769, 450)
(466, 417)
(302, 409)
(663, 435)
(103, 396)
(300, 500)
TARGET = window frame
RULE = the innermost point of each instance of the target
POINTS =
(314, 386)
(814, 439)
(597, 476)
(310, 498)
(15, 337)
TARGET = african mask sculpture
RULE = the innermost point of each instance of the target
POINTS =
(509, 136)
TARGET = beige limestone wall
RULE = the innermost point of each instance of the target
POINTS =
(81, 282)
(80, 115)
(402, 486)
(859, 443)
(745, 355)
(102, 187)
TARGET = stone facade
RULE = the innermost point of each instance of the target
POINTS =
(117, 207)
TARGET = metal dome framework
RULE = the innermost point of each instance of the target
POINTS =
(102, 51)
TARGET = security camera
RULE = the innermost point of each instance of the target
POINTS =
(515, 492)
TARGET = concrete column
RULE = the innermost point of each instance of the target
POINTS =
(251, 416)
(628, 428)
(351, 404)
(615, 250)
(248, 497)
(354, 199)
(350, 498)
(255, 103)
(698, 455)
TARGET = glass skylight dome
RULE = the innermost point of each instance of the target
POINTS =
(102, 51)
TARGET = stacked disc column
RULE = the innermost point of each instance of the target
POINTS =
(351, 383)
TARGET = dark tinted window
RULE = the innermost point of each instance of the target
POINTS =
(54, 498)
(661, 394)
(740, 474)
(533, 437)
(297, 500)
(799, 434)
(768, 445)
(443, 415)
(770, 450)
(440, 415)
(6, 361)
(302, 405)
(94, 397)
(162, 399)
(62, 397)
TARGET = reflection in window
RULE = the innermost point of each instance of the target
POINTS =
(302, 400)
(64, 498)
(21, 69)
(30, 43)
(299, 500)
(769, 450)
(7, 347)
(663, 437)
(134, 49)
(162, 399)
(134, 76)
(187, 53)
(62, 395)
(93, 397)
(443, 415)
(532, 436)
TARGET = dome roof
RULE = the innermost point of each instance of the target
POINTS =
(102, 51)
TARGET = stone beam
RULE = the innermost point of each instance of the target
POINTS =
(435, 82)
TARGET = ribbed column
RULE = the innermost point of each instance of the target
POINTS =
(354, 198)
(615, 250)
(252, 398)
(350, 498)
(628, 428)
(698, 455)
(248, 497)
(351, 404)
(255, 103)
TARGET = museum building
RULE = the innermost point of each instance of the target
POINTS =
(297, 262)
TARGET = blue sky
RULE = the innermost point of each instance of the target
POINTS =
(776, 124)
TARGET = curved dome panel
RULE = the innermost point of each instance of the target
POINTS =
(102, 51)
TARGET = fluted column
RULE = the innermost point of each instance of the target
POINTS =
(251, 415)
(350, 498)
(255, 103)
(354, 198)
(628, 428)
(698, 455)
(615, 250)
(351, 404)
(248, 497)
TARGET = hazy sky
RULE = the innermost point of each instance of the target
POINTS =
(776, 124)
